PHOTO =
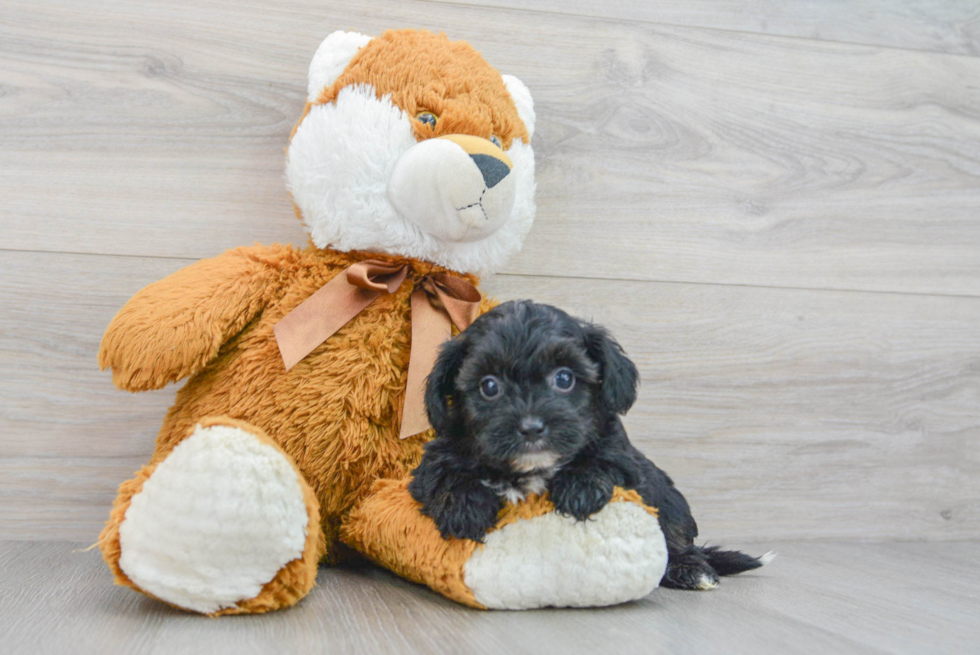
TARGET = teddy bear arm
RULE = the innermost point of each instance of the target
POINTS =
(172, 328)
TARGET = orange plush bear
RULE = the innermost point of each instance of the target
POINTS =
(412, 170)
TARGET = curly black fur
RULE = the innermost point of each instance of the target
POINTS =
(534, 435)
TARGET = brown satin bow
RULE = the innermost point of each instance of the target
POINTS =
(438, 299)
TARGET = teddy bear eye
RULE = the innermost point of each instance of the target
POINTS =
(495, 140)
(489, 387)
(564, 379)
(427, 117)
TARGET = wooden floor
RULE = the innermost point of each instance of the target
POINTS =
(774, 205)
(814, 598)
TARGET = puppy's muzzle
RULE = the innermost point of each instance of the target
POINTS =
(457, 187)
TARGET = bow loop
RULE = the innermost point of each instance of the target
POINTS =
(459, 298)
(374, 275)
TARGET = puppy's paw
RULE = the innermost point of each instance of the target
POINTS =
(580, 493)
(692, 574)
(467, 513)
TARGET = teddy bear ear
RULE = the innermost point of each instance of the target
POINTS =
(331, 59)
(522, 98)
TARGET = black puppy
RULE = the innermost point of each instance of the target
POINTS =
(528, 399)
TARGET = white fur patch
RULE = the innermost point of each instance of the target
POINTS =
(438, 186)
(768, 557)
(331, 59)
(512, 495)
(535, 484)
(338, 167)
(217, 520)
(522, 100)
(706, 584)
(515, 493)
(617, 556)
(527, 462)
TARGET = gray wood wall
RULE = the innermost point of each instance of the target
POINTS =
(777, 212)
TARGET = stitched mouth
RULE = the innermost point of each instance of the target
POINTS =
(479, 202)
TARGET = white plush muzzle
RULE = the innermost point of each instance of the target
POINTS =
(456, 188)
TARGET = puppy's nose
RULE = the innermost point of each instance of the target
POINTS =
(532, 426)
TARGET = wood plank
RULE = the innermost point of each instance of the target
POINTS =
(49, 497)
(665, 153)
(951, 26)
(815, 598)
(781, 414)
(193, 205)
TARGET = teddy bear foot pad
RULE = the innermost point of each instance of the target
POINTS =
(618, 555)
(533, 558)
(217, 521)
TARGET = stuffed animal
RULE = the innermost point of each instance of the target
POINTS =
(295, 437)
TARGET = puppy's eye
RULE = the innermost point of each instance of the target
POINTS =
(564, 379)
(489, 387)
(427, 117)
(495, 140)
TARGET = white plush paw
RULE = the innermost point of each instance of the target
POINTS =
(216, 521)
(616, 556)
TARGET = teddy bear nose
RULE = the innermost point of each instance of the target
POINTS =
(492, 162)
(532, 426)
(492, 169)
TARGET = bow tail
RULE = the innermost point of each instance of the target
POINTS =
(430, 328)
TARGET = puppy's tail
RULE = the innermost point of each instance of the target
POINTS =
(730, 562)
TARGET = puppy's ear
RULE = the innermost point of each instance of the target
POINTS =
(440, 386)
(618, 376)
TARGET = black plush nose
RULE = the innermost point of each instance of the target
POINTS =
(532, 426)
(492, 169)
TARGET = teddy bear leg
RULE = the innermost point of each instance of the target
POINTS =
(532, 558)
(224, 524)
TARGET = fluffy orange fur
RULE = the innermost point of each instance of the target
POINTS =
(336, 413)
(421, 72)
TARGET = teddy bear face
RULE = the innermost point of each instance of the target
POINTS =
(413, 145)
